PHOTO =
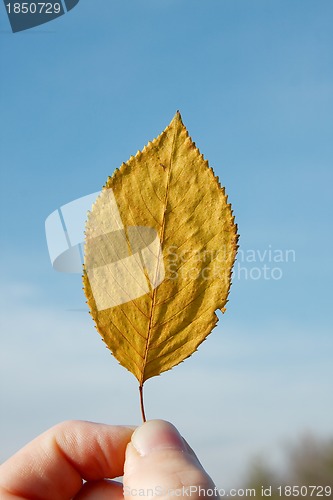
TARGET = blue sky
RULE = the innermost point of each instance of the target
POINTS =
(254, 83)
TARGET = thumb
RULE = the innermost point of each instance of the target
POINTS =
(160, 463)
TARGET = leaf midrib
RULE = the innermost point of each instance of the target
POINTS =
(161, 236)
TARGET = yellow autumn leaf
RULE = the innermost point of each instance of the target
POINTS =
(160, 245)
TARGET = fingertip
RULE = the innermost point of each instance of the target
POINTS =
(157, 435)
(158, 455)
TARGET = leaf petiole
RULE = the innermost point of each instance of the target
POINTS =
(142, 404)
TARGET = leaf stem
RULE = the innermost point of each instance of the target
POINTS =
(142, 404)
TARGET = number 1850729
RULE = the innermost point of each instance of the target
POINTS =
(33, 8)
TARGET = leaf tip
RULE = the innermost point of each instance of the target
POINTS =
(178, 116)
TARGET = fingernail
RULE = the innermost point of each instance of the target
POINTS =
(157, 435)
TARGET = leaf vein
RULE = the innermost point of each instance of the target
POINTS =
(181, 310)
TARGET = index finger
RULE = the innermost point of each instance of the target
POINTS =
(54, 464)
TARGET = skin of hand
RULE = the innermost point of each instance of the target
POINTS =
(154, 460)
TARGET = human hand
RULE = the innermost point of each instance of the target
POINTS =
(154, 461)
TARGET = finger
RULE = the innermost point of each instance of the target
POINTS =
(101, 490)
(54, 464)
(160, 463)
